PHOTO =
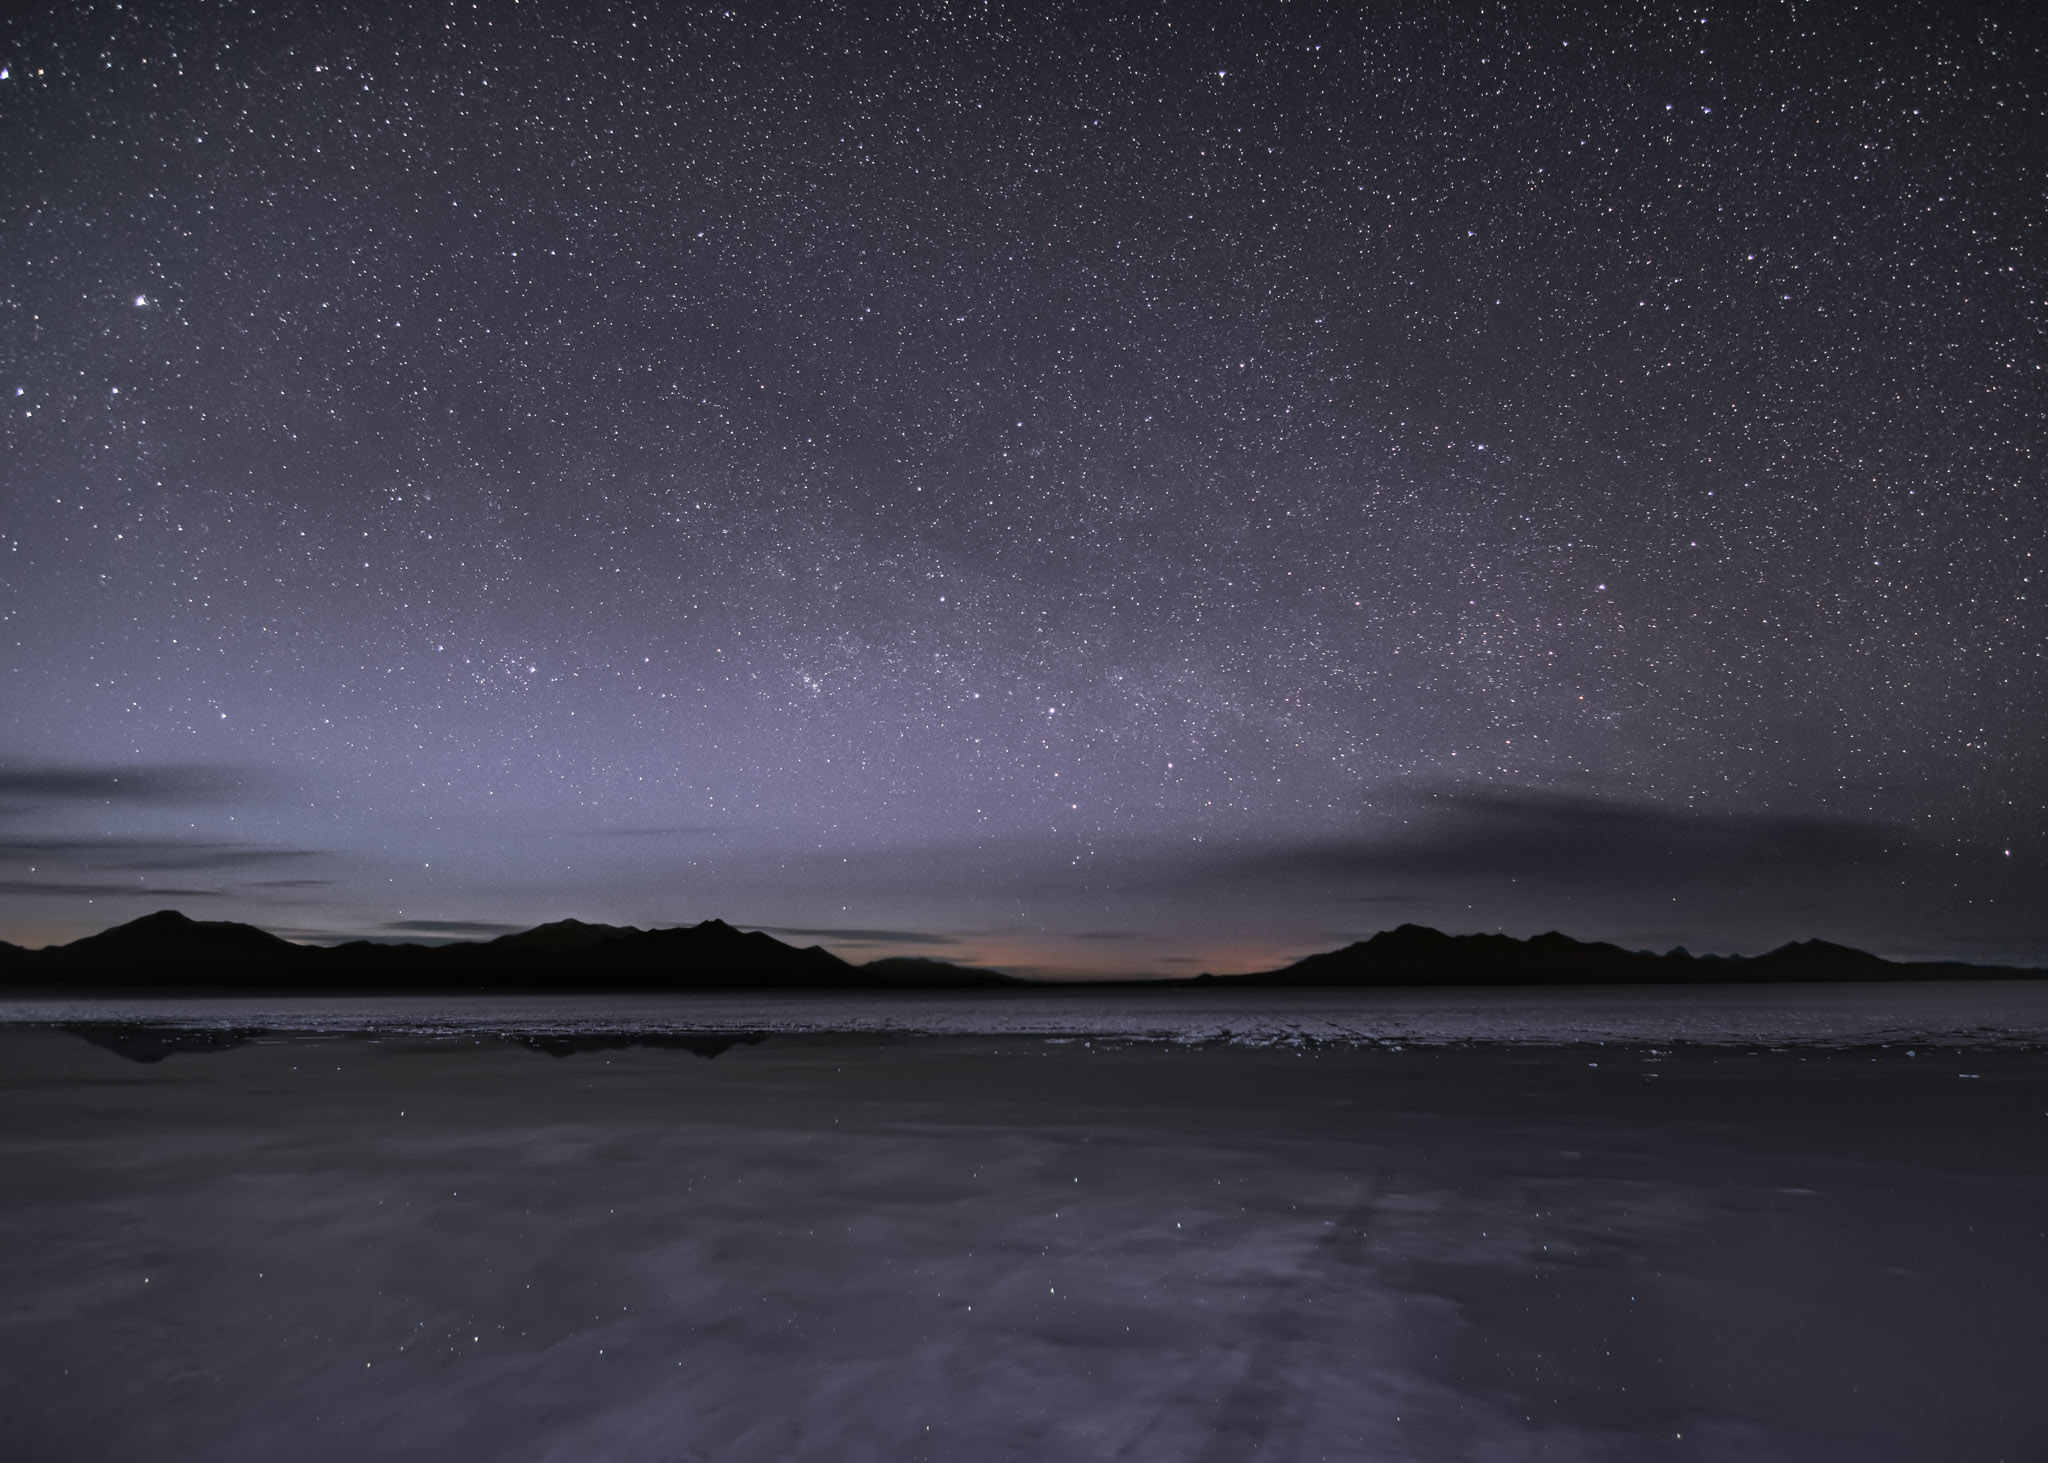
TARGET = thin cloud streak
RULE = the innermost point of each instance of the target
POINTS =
(147, 783)
(102, 891)
(148, 853)
(880, 937)
(451, 927)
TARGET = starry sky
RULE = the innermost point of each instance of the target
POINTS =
(1100, 488)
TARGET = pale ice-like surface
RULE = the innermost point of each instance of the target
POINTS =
(879, 1247)
(835, 1248)
(1974, 1013)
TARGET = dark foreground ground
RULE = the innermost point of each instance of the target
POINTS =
(860, 1247)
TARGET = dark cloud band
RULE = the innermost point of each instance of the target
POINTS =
(1563, 838)
(143, 854)
(158, 783)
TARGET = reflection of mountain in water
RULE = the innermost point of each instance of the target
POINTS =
(154, 1043)
(697, 1043)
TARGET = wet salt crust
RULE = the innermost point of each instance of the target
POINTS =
(1974, 1013)
(858, 1245)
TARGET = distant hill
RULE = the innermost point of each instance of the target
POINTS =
(168, 949)
(1415, 955)
(165, 948)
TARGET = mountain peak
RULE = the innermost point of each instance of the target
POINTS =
(561, 936)
(174, 931)
(1819, 952)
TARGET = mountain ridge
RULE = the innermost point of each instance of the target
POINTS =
(1416, 955)
(168, 948)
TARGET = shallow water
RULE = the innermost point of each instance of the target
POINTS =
(871, 1244)
(1974, 1013)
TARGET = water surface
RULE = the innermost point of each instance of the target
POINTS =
(227, 1236)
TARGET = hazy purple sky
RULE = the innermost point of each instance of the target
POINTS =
(1110, 487)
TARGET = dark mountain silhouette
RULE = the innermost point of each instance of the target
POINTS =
(560, 937)
(166, 948)
(1415, 955)
(1827, 960)
(918, 970)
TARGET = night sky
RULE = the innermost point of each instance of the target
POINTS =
(1101, 488)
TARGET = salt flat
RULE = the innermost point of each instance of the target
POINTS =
(878, 1244)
